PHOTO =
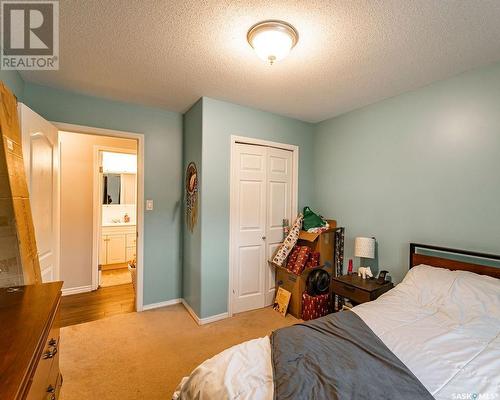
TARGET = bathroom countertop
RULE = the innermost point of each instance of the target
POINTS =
(107, 224)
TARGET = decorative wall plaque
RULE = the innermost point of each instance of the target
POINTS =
(191, 196)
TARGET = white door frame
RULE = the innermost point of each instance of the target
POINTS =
(232, 198)
(140, 196)
(97, 207)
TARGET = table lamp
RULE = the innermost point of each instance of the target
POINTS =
(364, 247)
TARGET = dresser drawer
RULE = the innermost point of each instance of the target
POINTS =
(45, 381)
(353, 293)
(54, 382)
(28, 323)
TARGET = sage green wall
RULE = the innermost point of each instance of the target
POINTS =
(220, 121)
(191, 270)
(14, 81)
(163, 175)
(423, 166)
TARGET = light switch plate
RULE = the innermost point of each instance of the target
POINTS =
(149, 205)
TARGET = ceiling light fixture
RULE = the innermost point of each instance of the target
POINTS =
(272, 40)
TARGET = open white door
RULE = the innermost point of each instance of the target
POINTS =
(41, 161)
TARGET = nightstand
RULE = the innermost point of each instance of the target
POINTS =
(357, 289)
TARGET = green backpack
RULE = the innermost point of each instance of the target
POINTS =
(311, 220)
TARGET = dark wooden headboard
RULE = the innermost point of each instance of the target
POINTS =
(441, 262)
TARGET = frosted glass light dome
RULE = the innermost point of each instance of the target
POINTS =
(272, 40)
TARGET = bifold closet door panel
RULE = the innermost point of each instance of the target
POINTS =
(250, 235)
(278, 206)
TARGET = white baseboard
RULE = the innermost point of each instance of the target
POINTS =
(161, 304)
(76, 290)
(203, 321)
(214, 318)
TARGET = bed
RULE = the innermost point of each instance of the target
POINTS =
(439, 329)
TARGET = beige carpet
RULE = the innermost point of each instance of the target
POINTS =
(144, 355)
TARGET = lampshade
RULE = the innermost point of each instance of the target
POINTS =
(364, 247)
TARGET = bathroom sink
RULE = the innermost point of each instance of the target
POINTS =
(118, 223)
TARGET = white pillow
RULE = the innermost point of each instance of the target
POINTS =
(475, 295)
(427, 284)
(461, 294)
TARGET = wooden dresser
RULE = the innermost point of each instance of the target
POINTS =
(29, 332)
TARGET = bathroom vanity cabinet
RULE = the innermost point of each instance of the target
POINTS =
(118, 244)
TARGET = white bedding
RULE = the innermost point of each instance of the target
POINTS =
(444, 325)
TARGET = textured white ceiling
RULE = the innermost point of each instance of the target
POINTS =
(350, 53)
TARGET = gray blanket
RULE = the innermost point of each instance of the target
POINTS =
(338, 357)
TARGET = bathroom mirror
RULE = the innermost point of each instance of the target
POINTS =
(111, 189)
(119, 189)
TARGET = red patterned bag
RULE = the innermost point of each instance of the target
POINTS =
(300, 263)
(315, 306)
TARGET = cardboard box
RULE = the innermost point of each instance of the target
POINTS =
(19, 261)
(322, 243)
(296, 284)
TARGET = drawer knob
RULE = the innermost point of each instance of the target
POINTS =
(49, 353)
(51, 389)
(52, 342)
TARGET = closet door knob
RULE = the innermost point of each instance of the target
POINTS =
(263, 238)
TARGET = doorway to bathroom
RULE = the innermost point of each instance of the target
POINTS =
(101, 217)
(115, 206)
(60, 162)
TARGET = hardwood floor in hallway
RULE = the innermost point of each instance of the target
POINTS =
(101, 303)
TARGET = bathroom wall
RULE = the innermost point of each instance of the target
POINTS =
(77, 181)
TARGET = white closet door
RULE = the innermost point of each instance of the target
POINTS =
(250, 241)
(263, 198)
(279, 205)
(41, 161)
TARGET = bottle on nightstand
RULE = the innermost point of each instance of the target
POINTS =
(349, 270)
